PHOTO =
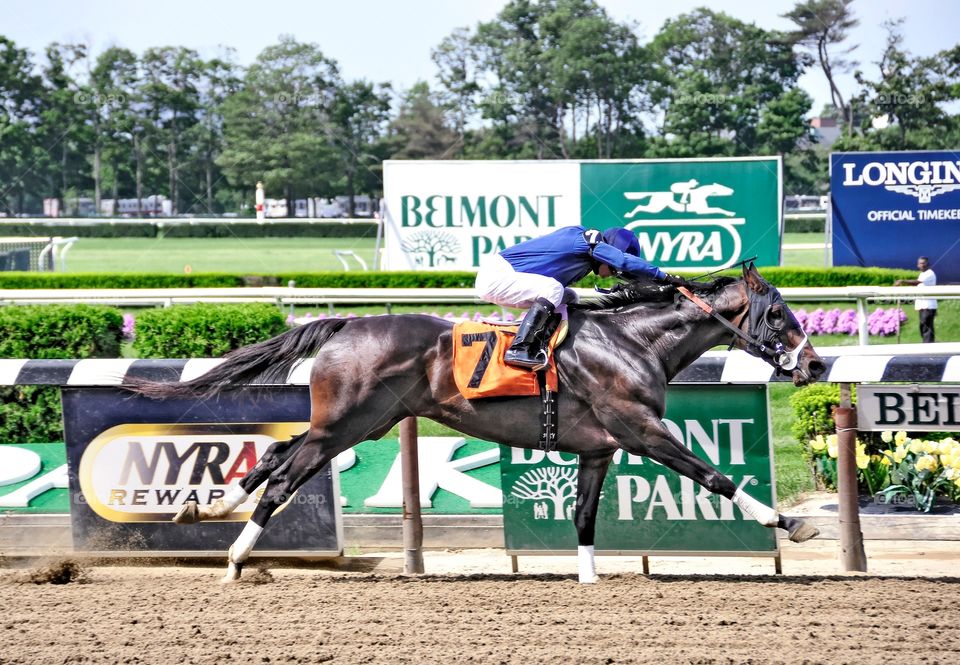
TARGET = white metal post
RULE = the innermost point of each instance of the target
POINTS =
(862, 321)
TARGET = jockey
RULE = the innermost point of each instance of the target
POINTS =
(536, 272)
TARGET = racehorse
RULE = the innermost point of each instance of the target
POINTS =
(370, 373)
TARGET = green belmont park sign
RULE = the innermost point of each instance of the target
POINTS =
(688, 214)
(645, 507)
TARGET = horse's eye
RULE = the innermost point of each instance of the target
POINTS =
(775, 317)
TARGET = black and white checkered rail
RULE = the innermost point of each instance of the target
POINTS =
(920, 363)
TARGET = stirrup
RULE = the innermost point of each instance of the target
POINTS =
(523, 359)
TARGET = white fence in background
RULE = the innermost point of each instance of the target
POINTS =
(290, 296)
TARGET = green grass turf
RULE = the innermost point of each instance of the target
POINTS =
(236, 255)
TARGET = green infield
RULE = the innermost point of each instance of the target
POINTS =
(243, 255)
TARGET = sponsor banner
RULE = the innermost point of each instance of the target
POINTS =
(133, 462)
(450, 215)
(696, 214)
(888, 208)
(33, 478)
(689, 214)
(458, 476)
(644, 506)
(916, 408)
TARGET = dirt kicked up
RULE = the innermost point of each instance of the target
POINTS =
(181, 615)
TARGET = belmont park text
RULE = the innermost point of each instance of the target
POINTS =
(501, 211)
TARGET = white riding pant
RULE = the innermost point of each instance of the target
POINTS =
(499, 283)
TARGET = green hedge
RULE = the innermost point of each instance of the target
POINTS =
(780, 277)
(32, 413)
(804, 225)
(60, 331)
(203, 331)
(212, 229)
(109, 280)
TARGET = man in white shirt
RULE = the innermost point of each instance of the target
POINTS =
(926, 307)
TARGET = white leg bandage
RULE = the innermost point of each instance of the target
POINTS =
(242, 547)
(764, 514)
(585, 563)
(224, 505)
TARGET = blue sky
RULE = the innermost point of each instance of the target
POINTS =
(383, 40)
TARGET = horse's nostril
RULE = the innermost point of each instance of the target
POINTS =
(816, 368)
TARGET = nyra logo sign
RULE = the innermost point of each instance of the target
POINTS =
(711, 237)
(145, 473)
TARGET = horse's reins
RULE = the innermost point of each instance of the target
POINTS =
(778, 356)
(708, 308)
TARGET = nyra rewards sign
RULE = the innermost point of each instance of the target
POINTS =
(691, 214)
(146, 472)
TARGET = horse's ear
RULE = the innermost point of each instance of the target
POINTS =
(754, 280)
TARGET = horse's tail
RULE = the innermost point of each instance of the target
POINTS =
(266, 362)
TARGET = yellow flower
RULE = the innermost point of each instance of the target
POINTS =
(818, 443)
(887, 436)
(899, 454)
(885, 458)
(956, 481)
(832, 448)
(952, 474)
(945, 447)
(863, 461)
(930, 447)
(916, 447)
(926, 463)
(900, 438)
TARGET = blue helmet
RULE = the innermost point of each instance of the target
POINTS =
(623, 240)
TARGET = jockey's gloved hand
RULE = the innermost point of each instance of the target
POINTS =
(673, 280)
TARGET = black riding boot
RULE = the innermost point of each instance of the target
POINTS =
(528, 350)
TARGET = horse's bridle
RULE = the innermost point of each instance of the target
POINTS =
(764, 339)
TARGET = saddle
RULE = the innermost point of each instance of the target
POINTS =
(478, 367)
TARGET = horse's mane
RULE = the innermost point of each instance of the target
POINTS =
(647, 292)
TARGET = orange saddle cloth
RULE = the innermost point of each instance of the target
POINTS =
(478, 366)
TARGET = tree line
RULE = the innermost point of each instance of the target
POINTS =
(545, 79)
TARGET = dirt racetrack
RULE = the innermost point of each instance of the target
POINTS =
(181, 615)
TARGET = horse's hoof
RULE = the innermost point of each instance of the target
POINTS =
(233, 573)
(189, 514)
(803, 533)
(589, 579)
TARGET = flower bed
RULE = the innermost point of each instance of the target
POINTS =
(919, 470)
(844, 322)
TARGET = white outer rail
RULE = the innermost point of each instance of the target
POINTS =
(414, 296)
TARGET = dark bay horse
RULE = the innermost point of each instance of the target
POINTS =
(370, 373)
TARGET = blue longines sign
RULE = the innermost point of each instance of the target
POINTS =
(891, 207)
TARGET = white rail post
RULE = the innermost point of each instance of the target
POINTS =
(259, 200)
(862, 321)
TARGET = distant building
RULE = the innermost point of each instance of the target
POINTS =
(826, 129)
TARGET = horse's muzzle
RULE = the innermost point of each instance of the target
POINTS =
(809, 371)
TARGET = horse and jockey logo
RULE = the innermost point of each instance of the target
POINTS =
(687, 196)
